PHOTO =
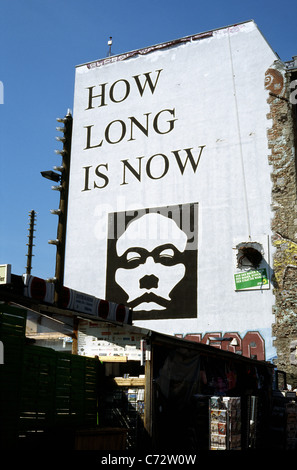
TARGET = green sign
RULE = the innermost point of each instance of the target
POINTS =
(250, 279)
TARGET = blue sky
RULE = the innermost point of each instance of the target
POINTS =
(41, 42)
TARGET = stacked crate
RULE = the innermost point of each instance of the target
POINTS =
(43, 393)
(12, 337)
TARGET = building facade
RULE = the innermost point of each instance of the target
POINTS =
(182, 194)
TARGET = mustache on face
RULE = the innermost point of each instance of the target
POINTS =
(149, 297)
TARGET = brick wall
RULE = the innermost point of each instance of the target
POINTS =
(282, 145)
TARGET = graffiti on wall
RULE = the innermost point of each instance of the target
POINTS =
(252, 345)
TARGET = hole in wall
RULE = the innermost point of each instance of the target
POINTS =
(249, 255)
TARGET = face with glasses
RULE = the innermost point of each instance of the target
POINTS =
(150, 261)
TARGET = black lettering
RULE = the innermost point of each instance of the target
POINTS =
(126, 94)
(89, 146)
(148, 80)
(140, 126)
(91, 96)
(156, 121)
(190, 157)
(133, 171)
(166, 166)
(101, 175)
(87, 175)
(123, 133)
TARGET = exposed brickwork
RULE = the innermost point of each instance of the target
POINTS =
(281, 138)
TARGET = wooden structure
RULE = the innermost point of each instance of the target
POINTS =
(55, 399)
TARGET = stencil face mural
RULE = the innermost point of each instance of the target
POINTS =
(152, 264)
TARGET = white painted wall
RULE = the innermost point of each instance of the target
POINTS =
(216, 87)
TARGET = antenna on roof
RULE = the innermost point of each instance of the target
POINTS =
(30, 245)
(109, 44)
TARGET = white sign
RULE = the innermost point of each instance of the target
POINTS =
(5, 273)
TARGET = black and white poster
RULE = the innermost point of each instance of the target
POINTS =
(152, 261)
